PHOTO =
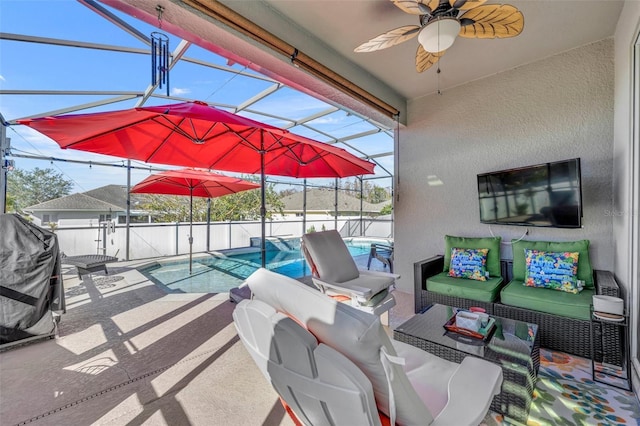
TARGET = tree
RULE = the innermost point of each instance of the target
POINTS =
(386, 209)
(171, 208)
(10, 203)
(371, 193)
(377, 195)
(246, 205)
(26, 188)
(286, 192)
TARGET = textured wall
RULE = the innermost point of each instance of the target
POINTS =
(627, 255)
(550, 110)
(623, 152)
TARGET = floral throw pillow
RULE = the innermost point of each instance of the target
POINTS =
(553, 270)
(469, 263)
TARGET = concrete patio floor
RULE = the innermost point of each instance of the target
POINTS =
(128, 353)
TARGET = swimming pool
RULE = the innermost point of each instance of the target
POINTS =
(220, 272)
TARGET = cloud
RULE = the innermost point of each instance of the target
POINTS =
(2, 78)
(176, 91)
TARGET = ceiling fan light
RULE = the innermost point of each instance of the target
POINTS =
(439, 34)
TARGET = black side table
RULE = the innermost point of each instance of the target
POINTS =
(612, 337)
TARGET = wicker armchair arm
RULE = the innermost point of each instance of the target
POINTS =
(606, 283)
(422, 270)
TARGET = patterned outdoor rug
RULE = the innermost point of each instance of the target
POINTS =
(565, 394)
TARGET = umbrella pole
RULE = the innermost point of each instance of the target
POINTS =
(190, 228)
(208, 224)
(263, 211)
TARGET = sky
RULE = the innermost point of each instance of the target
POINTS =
(37, 66)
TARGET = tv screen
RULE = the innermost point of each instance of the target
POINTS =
(542, 195)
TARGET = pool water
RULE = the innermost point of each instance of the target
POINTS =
(220, 273)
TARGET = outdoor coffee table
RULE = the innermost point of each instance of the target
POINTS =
(513, 345)
(89, 263)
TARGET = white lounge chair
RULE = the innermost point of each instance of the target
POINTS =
(336, 274)
(319, 384)
(410, 386)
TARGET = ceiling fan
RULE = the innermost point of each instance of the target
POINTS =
(441, 21)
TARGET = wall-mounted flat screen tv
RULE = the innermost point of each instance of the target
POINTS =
(548, 194)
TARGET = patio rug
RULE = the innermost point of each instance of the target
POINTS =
(565, 394)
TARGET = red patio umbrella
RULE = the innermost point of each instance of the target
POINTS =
(194, 134)
(194, 183)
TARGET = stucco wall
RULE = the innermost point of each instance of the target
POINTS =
(555, 109)
(626, 33)
(625, 260)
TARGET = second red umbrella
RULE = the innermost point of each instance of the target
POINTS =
(194, 183)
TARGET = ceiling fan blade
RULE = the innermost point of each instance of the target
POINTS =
(466, 4)
(417, 7)
(388, 39)
(424, 59)
(492, 21)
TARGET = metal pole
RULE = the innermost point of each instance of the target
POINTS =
(128, 231)
(335, 206)
(177, 237)
(208, 224)
(304, 207)
(361, 203)
(263, 208)
(190, 227)
(4, 150)
(104, 237)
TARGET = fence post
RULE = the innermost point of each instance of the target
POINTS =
(177, 236)
(335, 205)
(304, 207)
(361, 203)
(128, 219)
(208, 224)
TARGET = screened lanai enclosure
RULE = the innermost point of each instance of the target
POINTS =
(85, 57)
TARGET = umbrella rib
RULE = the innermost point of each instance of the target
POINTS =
(204, 137)
(243, 141)
(175, 127)
(296, 157)
(106, 132)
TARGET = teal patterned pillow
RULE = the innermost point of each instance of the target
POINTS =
(557, 271)
(469, 263)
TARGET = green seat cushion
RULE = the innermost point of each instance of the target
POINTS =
(585, 270)
(548, 300)
(482, 291)
(491, 243)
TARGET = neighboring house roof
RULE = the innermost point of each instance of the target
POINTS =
(112, 194)
(106, 198)
(324, 199)
(74, 202)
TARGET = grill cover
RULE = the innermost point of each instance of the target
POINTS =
(30, 279)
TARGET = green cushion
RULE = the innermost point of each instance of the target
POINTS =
(585, 271)
(548, 300)
(492, 243)
(482, 291)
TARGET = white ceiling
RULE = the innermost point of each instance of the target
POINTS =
(550, 27)
(329, 30)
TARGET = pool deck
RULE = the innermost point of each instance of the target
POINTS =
(127, 352)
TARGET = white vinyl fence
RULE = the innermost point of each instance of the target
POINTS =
(170, 239)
